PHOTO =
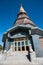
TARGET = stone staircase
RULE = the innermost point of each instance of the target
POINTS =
(17, 58)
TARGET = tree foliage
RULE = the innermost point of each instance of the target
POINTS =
(1, 47)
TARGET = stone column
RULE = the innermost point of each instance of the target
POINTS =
(13, 46)
(25, 48)
(17, 46)
(25, 45)
(6, 45)
(20, 46)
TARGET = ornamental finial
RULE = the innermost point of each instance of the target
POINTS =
(22, 9)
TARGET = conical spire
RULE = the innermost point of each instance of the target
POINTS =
(22, 9)
(22, 18)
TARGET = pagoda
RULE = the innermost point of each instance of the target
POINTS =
(24, 36)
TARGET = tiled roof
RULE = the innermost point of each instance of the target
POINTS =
(22, 18)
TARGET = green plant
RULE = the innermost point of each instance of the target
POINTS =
(1, 47)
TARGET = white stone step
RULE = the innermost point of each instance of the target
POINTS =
(18, 56)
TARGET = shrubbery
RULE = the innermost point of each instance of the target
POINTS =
(1, 47)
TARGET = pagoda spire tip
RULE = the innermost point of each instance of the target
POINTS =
(22, 9)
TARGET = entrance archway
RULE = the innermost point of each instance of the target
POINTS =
(21, 44)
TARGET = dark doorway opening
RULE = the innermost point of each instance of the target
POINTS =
(18, 48)
(27, 48)
(23, 48)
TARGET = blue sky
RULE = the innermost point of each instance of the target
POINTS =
(10, 8)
